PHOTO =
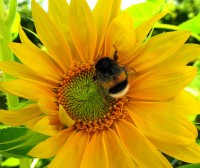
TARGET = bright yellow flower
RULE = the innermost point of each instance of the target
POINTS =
(89, 130)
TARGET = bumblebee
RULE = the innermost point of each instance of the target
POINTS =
(112, 77)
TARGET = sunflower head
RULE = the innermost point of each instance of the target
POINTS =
(80, 96)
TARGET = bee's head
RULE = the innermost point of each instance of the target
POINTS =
(104, 65)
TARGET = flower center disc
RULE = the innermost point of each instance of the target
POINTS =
(86, 102)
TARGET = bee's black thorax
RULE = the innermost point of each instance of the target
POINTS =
(107, 66)
(104, 66)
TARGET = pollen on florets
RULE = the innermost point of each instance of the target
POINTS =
(82, 100)
(115, 113)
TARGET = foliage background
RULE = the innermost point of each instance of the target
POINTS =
(185, 15)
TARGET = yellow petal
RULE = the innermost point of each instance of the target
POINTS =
(158, 49)
(83, 29)
(143, 29)
(187, 53)
(116, 154)
(94, 153)
(47, 125)
(161, 84)
(121, 34)
(115, 9)
(187, 153)
(48, 106)
(37, 60)
(26, 89)
(59, 13)
(70, 155)
(51, 37)
(139, 148)
(186, 103)
(22, 71)
(64, 117)
(24, 39)
(101, 12)
(52, 145)
(161, 121)
(18, 117)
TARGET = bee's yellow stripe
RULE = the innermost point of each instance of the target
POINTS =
(116, 79)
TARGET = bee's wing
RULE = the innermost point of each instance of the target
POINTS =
(130, 72)
(101, 90)
(99, 79)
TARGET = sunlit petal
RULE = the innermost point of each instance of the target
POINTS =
(140, 149)
(27, 89)
(161, 84)
(52, 145)
(98, 157)
(188, 153)
(47, 125)
(71, 152)
(169, 125)
(19, 117)
(83, 29)
(56, 45)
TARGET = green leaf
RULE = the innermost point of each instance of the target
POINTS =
(192, 25)
(18, 141)
(10, 162)
(15, 26)
(25, 162)
(23, 103)
(190, 166)
(143, 11)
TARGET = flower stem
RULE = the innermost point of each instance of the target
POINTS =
(6, 21)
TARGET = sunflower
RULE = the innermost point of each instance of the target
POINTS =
(85, 127)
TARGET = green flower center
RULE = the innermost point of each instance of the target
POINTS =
(85, 102)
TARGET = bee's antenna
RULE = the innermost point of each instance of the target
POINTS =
(115, 54)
